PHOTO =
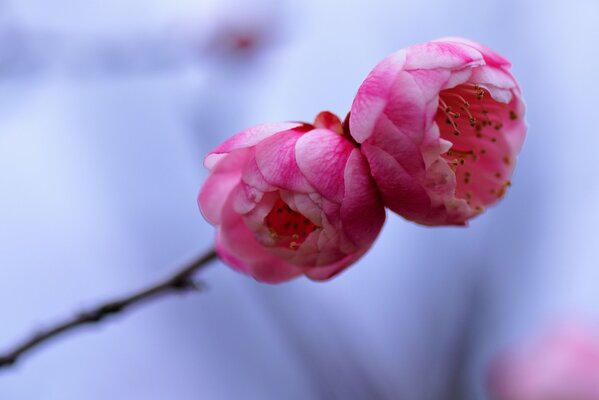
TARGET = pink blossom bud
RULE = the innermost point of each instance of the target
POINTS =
(562, 365)
(290, 199)
(441, 124)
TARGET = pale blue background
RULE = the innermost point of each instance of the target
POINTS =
(107, 108)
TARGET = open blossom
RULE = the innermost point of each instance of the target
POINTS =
(562, 365)
(441, 124)
(290, 199)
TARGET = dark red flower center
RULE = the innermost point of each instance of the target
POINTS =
(474, 122)
(288, 228)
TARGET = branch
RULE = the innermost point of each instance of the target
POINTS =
(181, 281)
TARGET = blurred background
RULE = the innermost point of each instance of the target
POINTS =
(107, 109)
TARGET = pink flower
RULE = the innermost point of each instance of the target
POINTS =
(441, 124)
(290, 199)
(562, 365)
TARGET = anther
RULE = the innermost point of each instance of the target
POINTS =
(448, 113)
(480, 93)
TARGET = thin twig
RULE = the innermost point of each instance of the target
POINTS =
(181, 281)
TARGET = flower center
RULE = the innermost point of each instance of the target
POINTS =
(473, 121)
(288, 228)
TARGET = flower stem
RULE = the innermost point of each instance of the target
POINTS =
(179, 282)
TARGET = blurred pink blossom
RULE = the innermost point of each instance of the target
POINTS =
(441, 124)
(561, 365)
(290, 199)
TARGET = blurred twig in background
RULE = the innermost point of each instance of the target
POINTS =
(27, 51)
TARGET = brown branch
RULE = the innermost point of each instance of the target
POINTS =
(179, 282)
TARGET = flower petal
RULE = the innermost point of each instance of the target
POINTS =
(275, 157)
(399, 145)
(329, 271)
(491, 57)
(446, 55)
(321, 156)
(219, 184)
(216, 187)
(401, 191)
(254, 178)
(247, 138)
(371, 99)
(362, 211)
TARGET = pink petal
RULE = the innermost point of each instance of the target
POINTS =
(491, 57)
(245, 198)
(425, 83)
(268, 269)
(321, 157)
(408, 102)
(401, 192)
(275, 157)
(399, 145)
(247, 138)
(254, 178)
(496, 77)
(362, 211)
(216, 188)
(371, 99)
(440, 184)
(275, 271)
(255, 218)
(224, 177)
(515, 130)
(445, 55)
(329, 271)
